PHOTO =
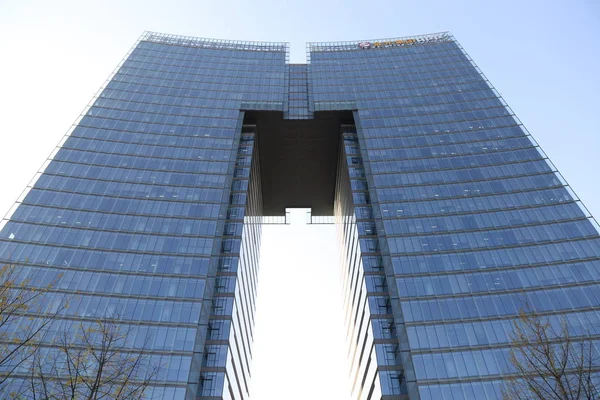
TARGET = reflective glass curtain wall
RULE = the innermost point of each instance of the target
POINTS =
(146, 211)
(450, 216)
(473, 222)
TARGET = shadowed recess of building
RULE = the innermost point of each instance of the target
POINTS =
(298, 160)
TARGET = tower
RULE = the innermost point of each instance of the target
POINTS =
(450, 216)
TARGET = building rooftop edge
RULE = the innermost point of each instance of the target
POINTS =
(385, 42)
(166, 38)
(158, 37)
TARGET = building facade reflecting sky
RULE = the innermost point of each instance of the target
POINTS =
(450, 217)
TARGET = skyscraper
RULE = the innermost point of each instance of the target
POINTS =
(450, 217)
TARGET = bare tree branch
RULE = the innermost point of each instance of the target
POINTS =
(549, 363)
(24, 318)
(94, 362)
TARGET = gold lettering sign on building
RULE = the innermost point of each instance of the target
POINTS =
(404, 42)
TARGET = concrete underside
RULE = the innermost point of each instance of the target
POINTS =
(298, 160)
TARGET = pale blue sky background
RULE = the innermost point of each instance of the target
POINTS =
(543, 56)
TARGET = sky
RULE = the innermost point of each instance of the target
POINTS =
(300, 346)
(542, 56)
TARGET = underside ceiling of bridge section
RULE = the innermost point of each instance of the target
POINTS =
(298, 160)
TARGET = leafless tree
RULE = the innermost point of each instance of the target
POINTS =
(24, 317)
(93, 362)
(549, 363)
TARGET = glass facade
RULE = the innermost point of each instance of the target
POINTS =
(147, 211)
(450, 216)
(460, 219)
